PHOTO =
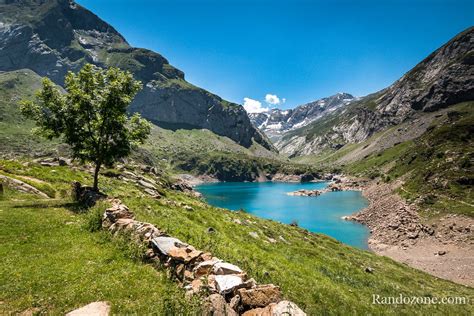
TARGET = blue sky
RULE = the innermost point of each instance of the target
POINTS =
(296, 50)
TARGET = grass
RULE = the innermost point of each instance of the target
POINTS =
(51, 264)
(436, 166)
(319, 273)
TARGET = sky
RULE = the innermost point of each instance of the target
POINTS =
(265, 54)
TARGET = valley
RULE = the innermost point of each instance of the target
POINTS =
(401, 220)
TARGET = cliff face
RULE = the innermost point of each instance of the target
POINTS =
(53, 37)
(444, 78)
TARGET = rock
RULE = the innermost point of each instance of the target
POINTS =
(441, 252)
(146, 184)
(286, 308)
(234, 302)
(237, 221)
(225, 283)
(283, 308)
(115, 212)
(95, 309)
(165, 244)
(223, 268)
(185, 254)
(253, 235)
(85, 195)
(260, 296)
(21, 186)
(205, 267)
(217, 306)
(188, 208)
(304, 192)
(122, 224)
(211, 230)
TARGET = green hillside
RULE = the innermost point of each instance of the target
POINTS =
(319, 273)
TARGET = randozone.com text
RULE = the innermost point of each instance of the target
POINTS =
(412, 300)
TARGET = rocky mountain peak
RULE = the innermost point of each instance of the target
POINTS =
(276, 122)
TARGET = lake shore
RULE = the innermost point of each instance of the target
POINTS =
(442, 247)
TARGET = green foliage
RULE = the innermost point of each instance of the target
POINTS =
(92, 116)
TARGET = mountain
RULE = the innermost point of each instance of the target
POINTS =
(53, 37)
(444, 78)
(276, 122)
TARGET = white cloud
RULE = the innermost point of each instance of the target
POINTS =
(273, 99)
(254, 106)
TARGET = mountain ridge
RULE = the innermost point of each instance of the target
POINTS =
(444, 78)
(53, 37)
(277, 122)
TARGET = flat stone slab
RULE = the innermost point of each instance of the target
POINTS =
(165, 244)
(92, 309)
(226, 283)
(226, 268)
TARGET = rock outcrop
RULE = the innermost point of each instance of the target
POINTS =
(229, 290)
(57, 36)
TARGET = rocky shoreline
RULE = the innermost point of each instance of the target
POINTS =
(442, 247)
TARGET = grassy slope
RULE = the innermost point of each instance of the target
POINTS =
(437, 166)
(317, 272)
(15, 132)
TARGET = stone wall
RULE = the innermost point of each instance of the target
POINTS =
(226, 289)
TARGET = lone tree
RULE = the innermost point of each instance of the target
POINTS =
(91, 116)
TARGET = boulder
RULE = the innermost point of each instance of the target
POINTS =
(95, 308)
(260, 296)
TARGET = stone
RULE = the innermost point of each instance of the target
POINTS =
(226, 283)
(283, 308)
(224, 268)
(185, 254)
(260, 296)
(21, 186)
(217, 306)
(146, 184)
(95, 309)
(165, 244)
(441, 252)
(369, 270)
(122, 224)
(253, 235)
(205, 267)
(286, 308)
(188, 208)
(235, 302)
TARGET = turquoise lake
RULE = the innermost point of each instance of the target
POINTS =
(321, 214)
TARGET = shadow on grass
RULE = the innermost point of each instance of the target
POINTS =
(74, 207)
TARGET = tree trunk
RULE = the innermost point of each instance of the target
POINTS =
(96, 177)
